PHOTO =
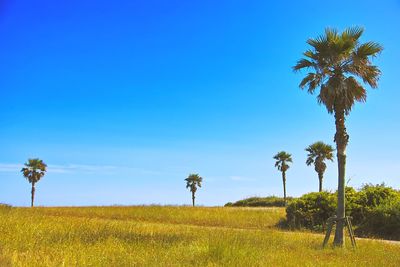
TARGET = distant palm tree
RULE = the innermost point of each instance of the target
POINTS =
(282, 160)
(337, 62)
(317, 154)
(192, 182)
(33, 171)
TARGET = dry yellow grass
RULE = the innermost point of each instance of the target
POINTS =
(169, 236)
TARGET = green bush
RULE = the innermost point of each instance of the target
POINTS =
(271, 201)
(383, 221)
(369, 197)
(311, 210)
(375, 210)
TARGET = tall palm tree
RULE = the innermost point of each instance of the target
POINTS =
(282, 160)
(33, 171)
(317, 154)
(192, 182)
(337, 63)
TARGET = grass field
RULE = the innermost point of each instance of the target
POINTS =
(170, 236)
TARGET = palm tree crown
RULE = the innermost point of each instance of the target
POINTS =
(282, 158)
(336, 62)
(318, 153)
(34, 170)
(193, 181)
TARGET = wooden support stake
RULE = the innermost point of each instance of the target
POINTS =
(331, 221)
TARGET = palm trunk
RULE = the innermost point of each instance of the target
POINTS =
(284, 186)
(32, 194)
(193, 197)
(341, 139)
(320, 178)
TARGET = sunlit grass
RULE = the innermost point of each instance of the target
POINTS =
(169, 236)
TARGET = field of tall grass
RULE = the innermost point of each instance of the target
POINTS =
(170, 236)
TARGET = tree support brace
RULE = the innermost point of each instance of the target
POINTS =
(333, 220)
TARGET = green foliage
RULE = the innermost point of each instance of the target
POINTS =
(282, 159)
(369, 198)
(193, 181)
(311, 210)
(375, 195)
(382, 221)
(335, 62)
(319, 151)
(271, 201)
(34, 170)
(374, 210)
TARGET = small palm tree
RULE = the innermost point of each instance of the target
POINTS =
(192, 182)
(317, 154)
(282, 160)
(33, 171)
(337, 63)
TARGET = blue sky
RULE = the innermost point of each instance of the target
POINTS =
(123, 99)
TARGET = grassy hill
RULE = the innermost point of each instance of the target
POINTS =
(270, 201)
(170, 236)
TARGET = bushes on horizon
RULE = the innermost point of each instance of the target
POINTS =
(375, 210)
(271, 201)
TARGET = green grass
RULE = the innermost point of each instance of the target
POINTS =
(170, 236)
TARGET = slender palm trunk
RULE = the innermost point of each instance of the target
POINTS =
(284, 186)
(193, 197)
(320, 178)
(341, 139)
(32, 194)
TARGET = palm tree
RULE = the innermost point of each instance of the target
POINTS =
(337, 63)
(192, 182)
(317, 154)
(33, 171)
(282, 160)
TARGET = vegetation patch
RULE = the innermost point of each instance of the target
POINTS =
(375, 211)
(271, 201)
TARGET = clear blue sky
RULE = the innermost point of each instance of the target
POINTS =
(123, 99)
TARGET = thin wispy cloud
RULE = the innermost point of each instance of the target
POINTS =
(81, 168)
(5, 167)
(12, 167)
(241, 178)
(84, 168)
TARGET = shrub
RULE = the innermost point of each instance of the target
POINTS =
(370, 197)
(311, 210)
(383, 221)
(271, 201)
